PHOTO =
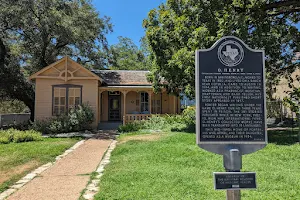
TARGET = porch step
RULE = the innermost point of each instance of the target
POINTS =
(109, 125)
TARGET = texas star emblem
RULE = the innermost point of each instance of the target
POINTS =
(230, 53)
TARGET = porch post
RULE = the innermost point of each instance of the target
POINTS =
(99, 108)
(124, 112)
(150, 102)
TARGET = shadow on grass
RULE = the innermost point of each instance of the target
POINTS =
(283, 137)
(280, 137)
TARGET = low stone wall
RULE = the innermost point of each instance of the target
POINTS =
(13, 118)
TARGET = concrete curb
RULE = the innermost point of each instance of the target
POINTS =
(36, 172)
(93, 187)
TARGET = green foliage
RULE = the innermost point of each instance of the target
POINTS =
(186, 122)
(293, 100)
(127, 56)
(12, 106)
(178, 27)
(35, 34)
(189, 115)
(131, 127)
(78, 119)
(13, 135)
(43, 31)
(41, 125)
(274, 109)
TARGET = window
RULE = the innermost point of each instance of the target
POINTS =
(65, 97)
(59, 101)
(144, 102)
(156, 104)
(74, 97)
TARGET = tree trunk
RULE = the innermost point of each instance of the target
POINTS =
(29, 102)
(12, 81)
(30, 105)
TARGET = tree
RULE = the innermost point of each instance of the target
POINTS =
(179, 27)
(125, 55)
(35, 33)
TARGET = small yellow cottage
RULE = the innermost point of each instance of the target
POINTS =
(114, 95)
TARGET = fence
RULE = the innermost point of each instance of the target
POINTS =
(14, 118)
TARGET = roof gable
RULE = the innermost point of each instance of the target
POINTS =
(65, 69)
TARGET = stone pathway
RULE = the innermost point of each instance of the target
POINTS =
(66, 179)
(93, 187)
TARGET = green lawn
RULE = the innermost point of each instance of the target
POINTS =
(173, 167)
(17, 159)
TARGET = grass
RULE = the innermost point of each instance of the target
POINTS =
(18, 159)
(92, 177)
(173, 167)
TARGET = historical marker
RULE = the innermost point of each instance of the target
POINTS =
(230, 94)
(234, 180)
(231, 108)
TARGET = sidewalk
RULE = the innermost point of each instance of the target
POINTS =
(66, 179)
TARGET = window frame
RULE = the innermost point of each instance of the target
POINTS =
(154, 105)
(144, 102)
(67, 87)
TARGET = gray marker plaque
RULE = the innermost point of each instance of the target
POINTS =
(234, 180)
(230, 97)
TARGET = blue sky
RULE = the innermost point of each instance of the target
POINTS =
(126, 16)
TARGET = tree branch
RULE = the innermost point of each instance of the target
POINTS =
(280, 4)
(289, 11)
(60, 45)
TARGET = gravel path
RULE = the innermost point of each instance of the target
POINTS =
(66, 179)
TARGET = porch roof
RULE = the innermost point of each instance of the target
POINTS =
(123, 77)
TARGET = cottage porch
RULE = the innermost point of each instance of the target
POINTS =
(128, 104)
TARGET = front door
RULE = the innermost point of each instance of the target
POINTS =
(114, 108)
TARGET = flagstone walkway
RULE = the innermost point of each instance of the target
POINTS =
(66, 179)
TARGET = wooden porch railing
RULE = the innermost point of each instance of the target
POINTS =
(128, 118)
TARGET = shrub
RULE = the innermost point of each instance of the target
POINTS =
(189, 115)
(185, 122)
(131, 127)
(12, 106)
(81, 117)
(4, 140)
(13, 135)
(60, 124)
(156, 122)
(78, 119)
(22, 126)
(41, 125)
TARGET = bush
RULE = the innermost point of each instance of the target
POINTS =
(78, 119)
(13, 135)
(131, 127)
(20, 126)
(12, 106)
(41, 125)
(189, 115)
(185, 122)
(4, 140)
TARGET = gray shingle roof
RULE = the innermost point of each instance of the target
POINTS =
(122, 77)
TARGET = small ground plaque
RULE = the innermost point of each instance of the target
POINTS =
(234, 180)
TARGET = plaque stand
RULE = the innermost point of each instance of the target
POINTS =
(233, 163)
